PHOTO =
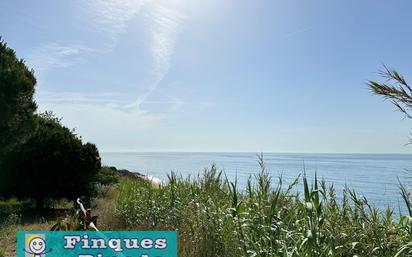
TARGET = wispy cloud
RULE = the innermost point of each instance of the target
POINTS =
(164, 25)
(103, 119)
(162, 22)
(295, 33)
(103, 123)
(54, 55)
(108, 16)
(112, 17)
(110, 99)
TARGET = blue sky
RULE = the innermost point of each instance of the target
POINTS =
(213, 75)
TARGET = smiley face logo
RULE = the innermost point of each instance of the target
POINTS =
(36, 246)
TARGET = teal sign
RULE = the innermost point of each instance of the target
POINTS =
(96, 244)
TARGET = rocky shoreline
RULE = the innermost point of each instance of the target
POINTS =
(135, 175)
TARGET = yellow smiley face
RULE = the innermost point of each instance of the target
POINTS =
(37, 245)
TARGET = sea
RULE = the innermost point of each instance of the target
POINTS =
(374, 176)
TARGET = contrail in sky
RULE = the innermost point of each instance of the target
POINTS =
(164, 25)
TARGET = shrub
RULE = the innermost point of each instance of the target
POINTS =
(14, 206)
(107, 176)
(53, 163)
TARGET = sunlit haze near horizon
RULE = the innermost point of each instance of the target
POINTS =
(208, 75)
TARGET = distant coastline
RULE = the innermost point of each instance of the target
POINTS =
(136, 175)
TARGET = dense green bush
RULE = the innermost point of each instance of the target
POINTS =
(53, 163)
(107, 176)
(214, 219)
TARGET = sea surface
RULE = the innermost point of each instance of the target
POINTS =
(374, 176)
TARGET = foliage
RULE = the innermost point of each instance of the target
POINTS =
(213, 218)
(8, 234)
(107, 176)
(14, 223)
(16, 100)
(53, 163)
(395, 89)
(14, 206)
(399, 92)
(16, 103)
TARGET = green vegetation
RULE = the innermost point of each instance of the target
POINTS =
(40, 159)
(16, 100)
(13, 223)
(395, 89)
(214, 218)
(53, 160)
(13, 205)
(18, 214)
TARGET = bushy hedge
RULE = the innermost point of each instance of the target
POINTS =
(52, 164)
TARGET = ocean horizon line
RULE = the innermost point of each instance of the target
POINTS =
(258, 152)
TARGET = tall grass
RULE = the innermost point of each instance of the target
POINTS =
(214, 218)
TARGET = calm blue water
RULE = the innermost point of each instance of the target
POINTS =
(372, 175)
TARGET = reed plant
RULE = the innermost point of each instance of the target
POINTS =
(214, 218)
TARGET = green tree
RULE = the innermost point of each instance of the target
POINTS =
(16, 100)
(39, 158)
(52, 164)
